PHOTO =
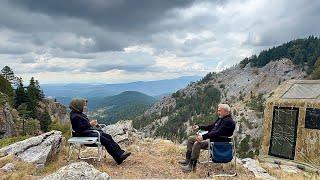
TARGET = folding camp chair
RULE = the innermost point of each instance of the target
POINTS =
(222, 152)
(80, 142)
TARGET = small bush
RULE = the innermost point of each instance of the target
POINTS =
(7, 141)
(64, 128)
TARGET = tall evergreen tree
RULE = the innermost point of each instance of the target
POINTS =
(40, 94)
(24, 113)
(6, 88)
(32, 102)
(45, 121)
(21, 96)
(8, 74)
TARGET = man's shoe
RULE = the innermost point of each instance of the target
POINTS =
(123, 157)
(190, 167)
(187, 160)
(184, 162)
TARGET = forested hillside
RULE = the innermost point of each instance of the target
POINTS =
(302, 52)
(126, 105)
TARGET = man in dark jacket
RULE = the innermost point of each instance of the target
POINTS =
(81, 124)
(218, 131)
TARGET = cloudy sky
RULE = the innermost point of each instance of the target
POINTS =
(113, 41)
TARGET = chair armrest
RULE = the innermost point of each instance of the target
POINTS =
(96, 131)
(102, 125)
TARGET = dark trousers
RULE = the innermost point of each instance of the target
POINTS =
(107, 141)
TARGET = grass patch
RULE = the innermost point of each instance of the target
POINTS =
(7, 141)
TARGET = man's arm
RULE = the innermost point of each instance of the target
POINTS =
(224, 128)
(207, 128)
(82, 124)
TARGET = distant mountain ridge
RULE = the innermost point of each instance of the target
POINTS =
(65, 92)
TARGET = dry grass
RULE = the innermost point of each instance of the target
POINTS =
(150, 159)
(294, 176)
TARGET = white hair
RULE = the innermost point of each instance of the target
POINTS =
(225, 107)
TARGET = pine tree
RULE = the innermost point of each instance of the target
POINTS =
(32, 98)
(24, 113)
(21, 96)
(8, 74)
(45, 121)
(40, 94)
(6, 88)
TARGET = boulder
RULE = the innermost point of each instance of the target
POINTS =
(290, 169)
(21, 146)
(253, 166)
(37, 150)
(77, 171)
(121, 131)
(9, 167)
(40, 154)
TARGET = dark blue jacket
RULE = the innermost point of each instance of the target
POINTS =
(220, 129)
(80, 122)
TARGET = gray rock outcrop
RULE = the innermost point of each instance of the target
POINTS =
(122, 131)
(77, 171)
(37, 150)
(253, 166)
(9, 167)
(7, 125)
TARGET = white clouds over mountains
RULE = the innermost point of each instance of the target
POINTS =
(124, 40)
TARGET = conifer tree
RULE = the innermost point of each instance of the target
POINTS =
(45, 121)
(21, 96)
(8, 74)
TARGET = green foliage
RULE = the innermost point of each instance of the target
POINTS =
(201, 106)
(246, 122)
(21, 95)
(45, 121)
(127, 105)
(143, 120)
(244, 147)
(8, 74)
(34, 95)
(6, 88)
(32, 126)
(316, 72)
(64, 128)
(207, 78)
(205, 120)
(7, 141)
(300, 51)
(257, 103)
(174, 129)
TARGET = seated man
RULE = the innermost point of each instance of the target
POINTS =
(80, 124)
(218, 131)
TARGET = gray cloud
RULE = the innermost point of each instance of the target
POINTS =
(94, 34)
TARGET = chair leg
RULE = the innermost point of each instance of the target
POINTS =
(99, 153)
(70, 150)
(79, 151)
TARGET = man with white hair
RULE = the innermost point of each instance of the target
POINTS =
(222, 128)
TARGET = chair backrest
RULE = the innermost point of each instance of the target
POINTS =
(222, 152)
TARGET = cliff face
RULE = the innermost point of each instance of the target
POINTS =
(11, 122)
(7, 125)
(57, 111)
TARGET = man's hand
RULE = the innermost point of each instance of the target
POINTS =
(199, 138)
(195, 127)
(94, 122)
